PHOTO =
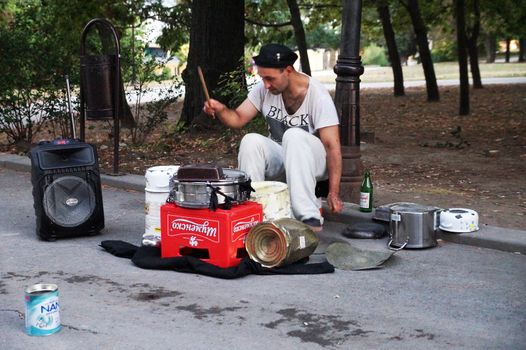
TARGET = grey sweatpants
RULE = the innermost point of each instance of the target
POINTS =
(300, 160)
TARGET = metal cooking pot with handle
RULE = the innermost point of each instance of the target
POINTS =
(413, 225)
(194, 186)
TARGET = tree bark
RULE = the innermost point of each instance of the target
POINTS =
(423, 49)
(299, 34)
(472, 47)
(392, 49)
(508, 42)
(491, 48)
(462, 57)
(474, 65)
(522, 48)
(217, 46)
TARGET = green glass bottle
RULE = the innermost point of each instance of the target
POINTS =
(366, 193)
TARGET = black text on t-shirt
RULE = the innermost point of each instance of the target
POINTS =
(276, 113)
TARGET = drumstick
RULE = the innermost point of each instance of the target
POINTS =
(203, 83)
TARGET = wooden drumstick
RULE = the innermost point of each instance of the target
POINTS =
(203, 83)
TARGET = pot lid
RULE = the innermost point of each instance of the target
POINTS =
(364, 230)
(214, 175)
(347, 257)
(413, 208)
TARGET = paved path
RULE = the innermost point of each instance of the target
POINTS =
(453, 296)
(445, 82)
(154, 92)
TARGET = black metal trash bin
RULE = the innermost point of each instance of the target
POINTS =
(98, 81)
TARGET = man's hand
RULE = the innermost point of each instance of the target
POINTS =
(232, 118)
(213, 107)
(334, 202)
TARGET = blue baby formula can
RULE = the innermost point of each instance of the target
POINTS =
(42, 309)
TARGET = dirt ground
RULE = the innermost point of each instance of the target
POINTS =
(416, 151)
(425, 153)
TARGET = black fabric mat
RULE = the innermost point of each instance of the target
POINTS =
(150, 258)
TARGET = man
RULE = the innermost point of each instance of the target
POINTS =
(303, 144)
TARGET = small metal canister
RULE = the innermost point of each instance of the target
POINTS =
(42, 309)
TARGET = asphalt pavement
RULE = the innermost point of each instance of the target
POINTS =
(464, 295)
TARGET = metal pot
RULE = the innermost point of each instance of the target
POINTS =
(194, 193)
(413, 226)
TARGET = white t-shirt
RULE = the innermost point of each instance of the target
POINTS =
(317, 110)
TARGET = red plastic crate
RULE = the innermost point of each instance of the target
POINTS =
(217, 237)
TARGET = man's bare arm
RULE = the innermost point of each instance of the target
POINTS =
(232, 118)
(330, 137)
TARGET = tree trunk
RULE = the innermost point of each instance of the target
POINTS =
(217, 46)
(423, 49)
(508, 42)
(491, 48)
(299, 34)
(473, 49)
(462, 57)
(522, 48)
(392, 49)
(474, 64)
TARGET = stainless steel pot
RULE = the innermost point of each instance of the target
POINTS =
(413, 225)
(198, 193)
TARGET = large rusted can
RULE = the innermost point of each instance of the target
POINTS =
(280, 242)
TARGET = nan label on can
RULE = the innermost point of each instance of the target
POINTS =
(42, 309)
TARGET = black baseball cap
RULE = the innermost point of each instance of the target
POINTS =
(275, 56)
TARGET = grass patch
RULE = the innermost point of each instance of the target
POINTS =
(443, 71)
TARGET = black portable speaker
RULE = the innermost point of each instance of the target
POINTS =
(66, 189)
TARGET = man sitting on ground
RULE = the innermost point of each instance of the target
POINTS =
(303, 146)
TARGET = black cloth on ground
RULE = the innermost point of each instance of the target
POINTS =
(147, 257)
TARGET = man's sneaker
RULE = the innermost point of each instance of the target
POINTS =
(314, 224)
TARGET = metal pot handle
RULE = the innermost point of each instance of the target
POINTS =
(390, 244)
(392, 247)
(436, 218)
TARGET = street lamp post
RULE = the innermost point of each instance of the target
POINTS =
(348, 69)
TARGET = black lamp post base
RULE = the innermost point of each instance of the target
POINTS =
(352, 174)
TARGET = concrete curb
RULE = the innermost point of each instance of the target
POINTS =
(491, 237)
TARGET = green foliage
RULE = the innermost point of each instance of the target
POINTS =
(406, 44)
(273, 23)
(371, 26)
(375, 55)
(443, 51)
(323, 36)
(257, 125)
(505, 18)
(234, 91)
(152, 114)
(177, 19)
(27, 91)
(23, 112)
(39, 43)
(233, 86)
(149, 115)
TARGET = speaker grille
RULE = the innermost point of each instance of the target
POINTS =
(69, 201)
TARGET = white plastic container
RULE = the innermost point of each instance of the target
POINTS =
(156, 192)
(459, 220)
(274, 197)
